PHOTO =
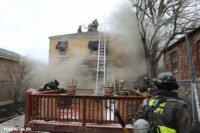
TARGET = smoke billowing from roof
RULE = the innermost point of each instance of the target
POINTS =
(127, 46)
(123, 24)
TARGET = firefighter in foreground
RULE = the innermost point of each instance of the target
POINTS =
(164, 112)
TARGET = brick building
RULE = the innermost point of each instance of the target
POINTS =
(176, 58)
(7, 59)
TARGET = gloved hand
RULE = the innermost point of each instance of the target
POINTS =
(62, 90)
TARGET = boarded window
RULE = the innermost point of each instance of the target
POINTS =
(93, 45)
(62, 48)
(174, 61)
(93, 48)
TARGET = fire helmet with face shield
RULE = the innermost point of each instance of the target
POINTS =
(166, 80)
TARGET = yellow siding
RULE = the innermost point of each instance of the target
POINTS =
(77, 48)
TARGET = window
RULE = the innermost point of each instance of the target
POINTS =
(93, 48)
(174, 61)
(62, 48)
(198, 56)
(62, 52)
(198, 45)
(93, 52)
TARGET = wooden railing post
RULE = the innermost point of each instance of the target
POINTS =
(84, 111)
(27, 108)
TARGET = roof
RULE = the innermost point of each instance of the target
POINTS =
(193, 32)
(9, 54)
(92, 34)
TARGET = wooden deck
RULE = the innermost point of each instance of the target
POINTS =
(51, 111)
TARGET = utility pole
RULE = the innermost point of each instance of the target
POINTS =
(195, 98)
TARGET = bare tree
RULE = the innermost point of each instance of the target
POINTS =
(160, 23)
(19, 74)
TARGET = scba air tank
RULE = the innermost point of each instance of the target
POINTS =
(141, 126)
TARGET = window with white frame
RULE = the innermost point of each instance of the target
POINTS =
(62, 52)
(93, 52)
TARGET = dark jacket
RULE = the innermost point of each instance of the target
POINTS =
(169, 115)
(49, 86)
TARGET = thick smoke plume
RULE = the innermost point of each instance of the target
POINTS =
(127, 47)
(62, 71)
(122, 24)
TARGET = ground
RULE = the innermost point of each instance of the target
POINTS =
(11, 110)
(14, 123)
(11, 117)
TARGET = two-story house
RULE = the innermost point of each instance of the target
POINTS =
(83, 48)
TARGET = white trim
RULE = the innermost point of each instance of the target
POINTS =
(66, 55)
(90, 55)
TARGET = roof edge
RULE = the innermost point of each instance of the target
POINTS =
(191, 33)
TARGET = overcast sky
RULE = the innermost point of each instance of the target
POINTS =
(25, 25)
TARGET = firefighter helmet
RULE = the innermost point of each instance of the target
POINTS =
(167, 78)
(141, 126)
(123, 81)
(154, 80)
(56, 82)
(146, 78)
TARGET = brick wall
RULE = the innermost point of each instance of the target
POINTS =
(4, 81)
(183, 70)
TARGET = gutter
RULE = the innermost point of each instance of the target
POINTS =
(9, 58)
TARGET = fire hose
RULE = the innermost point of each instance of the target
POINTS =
(121, 121)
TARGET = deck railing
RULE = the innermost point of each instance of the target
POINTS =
(84, 91)
(51, 106)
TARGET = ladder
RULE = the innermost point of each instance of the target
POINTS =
(110, 75)
(101, 62)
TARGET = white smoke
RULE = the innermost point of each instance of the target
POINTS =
(123, 24)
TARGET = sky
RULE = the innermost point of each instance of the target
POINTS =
(25, 25)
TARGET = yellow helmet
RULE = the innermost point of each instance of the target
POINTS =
(123, 81)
